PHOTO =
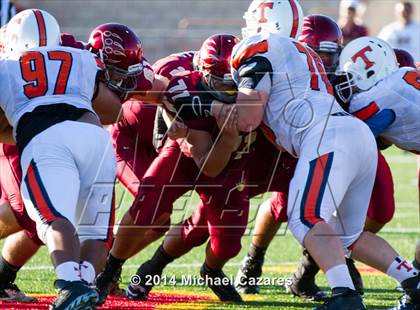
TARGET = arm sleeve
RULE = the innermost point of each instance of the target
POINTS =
(379, 122)
(255, 73)
(183, 99)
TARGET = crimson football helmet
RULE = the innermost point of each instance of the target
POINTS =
(322, 34)
(121, 51)
(404, 58)
(213, 60)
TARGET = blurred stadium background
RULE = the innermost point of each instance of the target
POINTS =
(167, 26)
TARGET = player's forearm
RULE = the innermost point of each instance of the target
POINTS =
(6, 136)
(107, 106)
(217, 159)
(250, 106)
(6, 131)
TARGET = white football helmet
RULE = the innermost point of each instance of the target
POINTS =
(364, 62)
(30, 29)
(277, 16)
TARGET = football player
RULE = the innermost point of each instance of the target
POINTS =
(387, 99)
(19, 248)
(47, 108)
(194, 169)
(380, 93)
(12, 213)
(321, 162)
(324, 36)
(133, 155)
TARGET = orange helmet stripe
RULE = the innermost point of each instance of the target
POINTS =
(41, 28)
(295, 13)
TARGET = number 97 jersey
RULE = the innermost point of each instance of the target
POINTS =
(45, 76)
(400, 93)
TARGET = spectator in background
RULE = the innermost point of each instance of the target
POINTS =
(349, 22)
(404, 33)
(7, 11)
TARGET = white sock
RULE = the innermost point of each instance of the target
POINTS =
(87, 272)
(69, 271)
(339, 276)
(401, 270)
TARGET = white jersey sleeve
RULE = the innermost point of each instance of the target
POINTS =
(398, 92)
(45, 76)
(251, 67)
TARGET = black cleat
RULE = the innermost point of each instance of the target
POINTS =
(303, 280)
(406, 304)
(138, 289)
(220, 284)
(411, 288)
(343, 298)
(248, 274)
(11, 293)
(355, 275)
(74, 295)
(107, 281)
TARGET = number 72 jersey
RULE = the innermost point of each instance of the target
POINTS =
(45, 76)
(400, 93)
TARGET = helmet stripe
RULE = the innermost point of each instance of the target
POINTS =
(41, 28)
(295, 13)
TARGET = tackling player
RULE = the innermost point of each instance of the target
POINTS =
(134, 165)
(154, 208)
(386, 98)
(349, 186)
(45, 114)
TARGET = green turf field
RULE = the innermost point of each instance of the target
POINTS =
(403, 232)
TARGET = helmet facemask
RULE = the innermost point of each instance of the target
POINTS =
(345, 86)
(124, 80)
(120, 80)
(223, 89)
(330, 55)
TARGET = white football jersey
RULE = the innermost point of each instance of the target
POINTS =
(398, 92)
(45, 76)
(294, 77)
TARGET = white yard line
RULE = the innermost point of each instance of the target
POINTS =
(131, 266)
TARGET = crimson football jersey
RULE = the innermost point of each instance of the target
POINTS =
(185, 88)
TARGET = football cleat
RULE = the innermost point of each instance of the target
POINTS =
(138, 289)
(355, 275)
(406, 304)
(11, 293)
(74, 295)
(411, 288)
(303, 280)
(217, 281)
(248, 274)
(343, 298)
(107, 281)
(136, 292)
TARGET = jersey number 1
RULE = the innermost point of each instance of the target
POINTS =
(312, 58)
(32, 65)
